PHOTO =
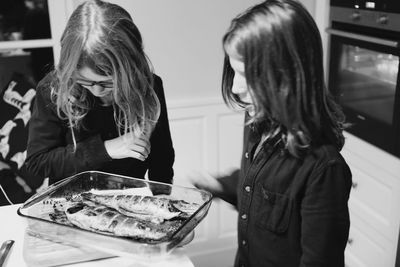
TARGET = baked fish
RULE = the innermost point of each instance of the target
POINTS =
(184, 206)
(105, 220)
(155, 209)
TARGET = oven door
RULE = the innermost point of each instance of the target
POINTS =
(364, 78)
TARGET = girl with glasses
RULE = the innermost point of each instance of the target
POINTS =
(102, 108)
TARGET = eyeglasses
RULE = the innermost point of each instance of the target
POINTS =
(104, 84)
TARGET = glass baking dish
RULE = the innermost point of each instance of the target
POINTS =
(40, 207)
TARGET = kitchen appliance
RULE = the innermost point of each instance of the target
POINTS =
(40, 211)
(364, 68)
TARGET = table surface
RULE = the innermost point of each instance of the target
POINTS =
(13, 226)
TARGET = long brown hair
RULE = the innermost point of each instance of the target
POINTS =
(103, 37)
(280, 46)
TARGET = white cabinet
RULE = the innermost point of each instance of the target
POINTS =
(208, 136)
(374, 205)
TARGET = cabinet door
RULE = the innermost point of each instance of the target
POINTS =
(208, 138)
(365, 248)
(373, 200)
(373, 204)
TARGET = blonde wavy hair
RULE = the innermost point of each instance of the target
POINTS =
(103, 37)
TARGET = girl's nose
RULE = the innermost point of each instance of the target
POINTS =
(238, 88)
(234, 88)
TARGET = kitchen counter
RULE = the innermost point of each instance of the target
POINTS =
(31, 251)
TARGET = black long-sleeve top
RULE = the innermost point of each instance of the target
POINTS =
(50, 151)
(293, 212)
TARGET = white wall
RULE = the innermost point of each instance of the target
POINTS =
(322, 19)
(319, 9)
(183, 41)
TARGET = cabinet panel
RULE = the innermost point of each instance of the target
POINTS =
(207, 136)
(371, 200)
(230, 136)
(363, 251)
(188, 154)
(352, 261)
(227, 220)
(375, 194)
(188, 141)
(374, 204)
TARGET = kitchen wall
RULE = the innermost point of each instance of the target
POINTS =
(183, 40)
(319, 9)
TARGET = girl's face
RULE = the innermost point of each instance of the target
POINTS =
(100, 86)
(239, 86)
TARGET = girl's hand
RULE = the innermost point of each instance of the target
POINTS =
(206, 181)
(128, 146)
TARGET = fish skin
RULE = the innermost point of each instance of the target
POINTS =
(151, 208)
(108, 221)
(186, 207)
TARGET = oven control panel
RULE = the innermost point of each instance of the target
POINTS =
(367, 18)
(391, 6)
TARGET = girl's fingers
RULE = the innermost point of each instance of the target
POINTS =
(136, 155)
(141, 142)
(138, 149)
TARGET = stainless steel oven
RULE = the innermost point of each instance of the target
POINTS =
(364, 52)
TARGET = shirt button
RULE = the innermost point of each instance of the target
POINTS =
(247, 189)
(244, 242)
(244, 216)
(246, 155)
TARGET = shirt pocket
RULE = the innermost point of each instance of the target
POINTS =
(274, 210)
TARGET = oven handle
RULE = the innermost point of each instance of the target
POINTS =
(365, 38)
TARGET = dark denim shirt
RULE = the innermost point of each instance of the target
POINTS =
(292, 212)
(51, 152)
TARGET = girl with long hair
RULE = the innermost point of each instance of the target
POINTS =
(102, 108)
(292, 189)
